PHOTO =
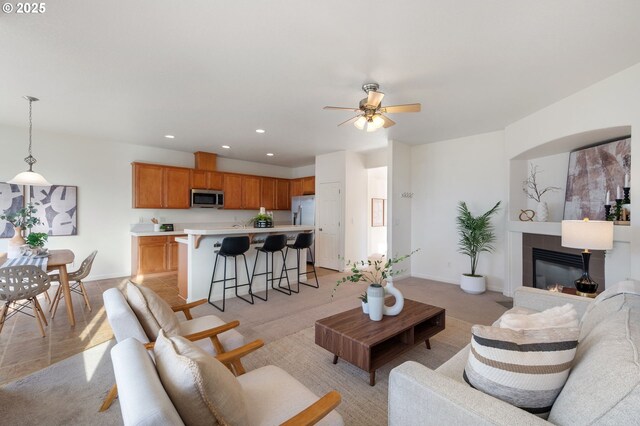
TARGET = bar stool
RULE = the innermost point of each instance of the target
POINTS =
(304, 240)
(272, 244)
(231, 247)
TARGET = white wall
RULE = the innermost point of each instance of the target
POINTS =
(102, 172)
(399, 229)
(377, 188)
(552, 171)
(470, 169)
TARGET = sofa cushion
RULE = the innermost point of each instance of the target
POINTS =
(526, 368)
(152, 311)
(604, 384)
(202, 389)
(556, 317)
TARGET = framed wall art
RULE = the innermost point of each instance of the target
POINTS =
(57, 209)
(11, 200)
(592, 172)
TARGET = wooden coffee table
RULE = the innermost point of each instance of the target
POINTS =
(368, 345)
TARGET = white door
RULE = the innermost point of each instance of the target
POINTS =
(329, 210)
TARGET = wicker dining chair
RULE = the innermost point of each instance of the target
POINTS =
(19, 288)
(75, 283)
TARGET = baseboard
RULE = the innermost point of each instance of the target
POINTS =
(450, 281)
(93, 277)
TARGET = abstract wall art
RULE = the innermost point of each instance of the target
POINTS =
(11, 200)
(592, 172)
(57, 209)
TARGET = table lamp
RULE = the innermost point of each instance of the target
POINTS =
(588, 235)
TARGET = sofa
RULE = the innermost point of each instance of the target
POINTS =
(603, 386)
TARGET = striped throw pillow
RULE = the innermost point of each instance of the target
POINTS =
(526, 368)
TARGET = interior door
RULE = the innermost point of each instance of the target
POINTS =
(329, 228)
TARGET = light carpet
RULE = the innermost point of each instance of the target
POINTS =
(70, 392)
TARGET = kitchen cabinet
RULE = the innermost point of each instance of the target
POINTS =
(201, 179)
(205, 161)
(268, 193)
(283, 197)
(160, 187)
(295, 187)
(154, 255)
(232, 191)
(250, 192)
(309, 185)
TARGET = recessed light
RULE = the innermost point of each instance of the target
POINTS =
(269, 154)
(169, 136)
(260, 130)
(226, 146)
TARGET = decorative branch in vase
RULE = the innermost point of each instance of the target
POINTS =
(533, 191)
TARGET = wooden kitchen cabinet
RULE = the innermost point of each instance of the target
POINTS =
(283, 197)
(250, 192)
(201, 179)
(154, 255)
(232, 191)
(295, 187)
(309, 185)
(268, 193)
(160, 187)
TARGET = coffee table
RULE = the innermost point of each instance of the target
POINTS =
(368, 345)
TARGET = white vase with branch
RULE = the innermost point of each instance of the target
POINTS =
(533, 191)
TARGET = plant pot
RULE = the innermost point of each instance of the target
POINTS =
(473, 284)
(365, 307)
(396, 308)
(263, 224)
(375, 296)
(542, 212)
(14, 245)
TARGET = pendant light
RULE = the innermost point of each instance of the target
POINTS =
(30, 177)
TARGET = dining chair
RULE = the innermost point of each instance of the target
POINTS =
(75, 283)
(19, 288)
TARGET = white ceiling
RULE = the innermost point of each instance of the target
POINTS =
(211, 72)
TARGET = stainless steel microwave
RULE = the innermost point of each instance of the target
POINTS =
(207, 198)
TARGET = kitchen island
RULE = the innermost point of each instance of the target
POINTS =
(196, 256)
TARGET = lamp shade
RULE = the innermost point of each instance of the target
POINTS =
(587, 234)
(29, 178)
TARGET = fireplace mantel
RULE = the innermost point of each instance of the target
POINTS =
(620, 233)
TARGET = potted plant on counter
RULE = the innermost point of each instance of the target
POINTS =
(476, 236)
(262, 220)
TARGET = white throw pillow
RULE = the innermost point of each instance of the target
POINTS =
(556, 317)
(201, 388)
(152, 311)
(526, 368)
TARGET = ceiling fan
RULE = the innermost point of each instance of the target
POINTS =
(370, 110)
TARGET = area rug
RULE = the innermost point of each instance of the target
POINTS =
(71, 391)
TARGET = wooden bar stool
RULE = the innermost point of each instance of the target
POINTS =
(231, 247)
(272, 244)
(304, 240)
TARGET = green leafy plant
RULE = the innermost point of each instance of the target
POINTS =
(37, 239)
(476, 234)
(23, 218)
(371, 271)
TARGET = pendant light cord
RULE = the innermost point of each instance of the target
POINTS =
(30, 160)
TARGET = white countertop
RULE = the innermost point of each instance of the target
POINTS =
(247, 230)
(156, 234)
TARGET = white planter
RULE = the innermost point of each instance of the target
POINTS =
(375, 296)
(542, 212)
(365, 307)
(473, 285)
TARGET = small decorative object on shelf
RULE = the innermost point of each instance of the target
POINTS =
(526, 215)
(627, 198)
(531, 189)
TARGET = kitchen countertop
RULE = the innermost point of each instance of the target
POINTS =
(156, 234)
(248, 230)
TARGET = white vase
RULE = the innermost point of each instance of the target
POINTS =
(396, 308)
(542, 212)
(473, 284)
(14, 245)
(365, 307)
(375, 298)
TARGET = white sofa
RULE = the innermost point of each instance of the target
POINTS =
(603, 386)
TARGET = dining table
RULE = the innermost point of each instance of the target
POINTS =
(58, 260)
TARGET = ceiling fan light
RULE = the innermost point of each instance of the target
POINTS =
(377, 121)
(371, 127)
(29, 178)
(360, 122)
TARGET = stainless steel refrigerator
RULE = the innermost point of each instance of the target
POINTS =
(303, 212)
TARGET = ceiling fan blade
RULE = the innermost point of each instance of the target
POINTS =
(342, 108)
(387, 121)
(374, 98)
(349, 121)
(392, 109)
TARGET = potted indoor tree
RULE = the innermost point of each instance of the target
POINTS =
(22, 219)
(476, 236)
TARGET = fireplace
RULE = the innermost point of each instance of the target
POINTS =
(546, 262)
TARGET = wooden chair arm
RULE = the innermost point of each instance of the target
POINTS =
(316, 411)
(186, 308)
(236, 354)
(212, 332)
